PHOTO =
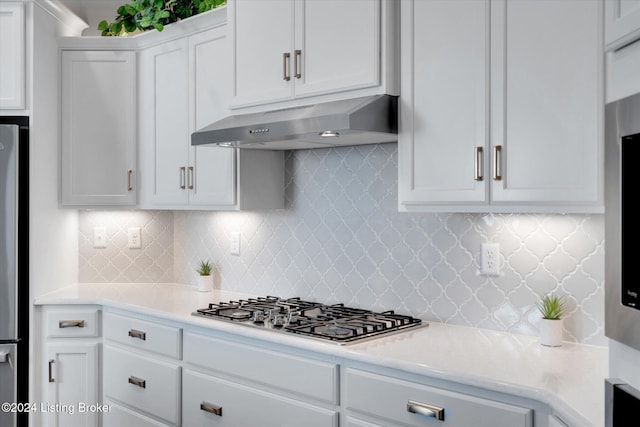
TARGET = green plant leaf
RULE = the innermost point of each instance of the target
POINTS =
(147, 14)
(115, 28)
(551, 307)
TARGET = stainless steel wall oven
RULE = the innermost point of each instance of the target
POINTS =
(622, 228)
(622, 222)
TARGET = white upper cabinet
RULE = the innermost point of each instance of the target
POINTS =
(496, 115)
(185, 86)
(12, 56)
(286, 49)
(622, 43)
(444, 101)
(622, 22)
(98, 128)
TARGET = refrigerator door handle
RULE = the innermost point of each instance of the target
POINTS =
(4, 357)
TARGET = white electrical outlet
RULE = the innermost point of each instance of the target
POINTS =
(490, 259)
(99, 237)
(235, 243)
(134, 241)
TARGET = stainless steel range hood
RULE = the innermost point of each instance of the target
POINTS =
(368, 120)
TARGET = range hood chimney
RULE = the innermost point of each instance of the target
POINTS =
(357, 121)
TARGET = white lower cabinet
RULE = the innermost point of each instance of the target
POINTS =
(232, 384)
(119, 416)
(142, 371)
(71, 367)
(207, 400)
(394, 401)
(149, 385)
(155, 373)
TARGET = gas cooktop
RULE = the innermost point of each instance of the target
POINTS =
(335, 323)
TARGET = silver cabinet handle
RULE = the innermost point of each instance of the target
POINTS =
(190, 178)
(129, 180)
(4, 357)
(134, 333)
(497, 170)
(286, 57)
(211, 408)
(71, 324)
(182, 170)
(426, 410)
(297, 63)
(51, 362)
(477, 170)
(137, 382)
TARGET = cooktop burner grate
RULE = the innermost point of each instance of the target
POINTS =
(336, 323)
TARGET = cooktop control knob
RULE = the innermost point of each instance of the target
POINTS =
(258, 316)
(278, 321)
(293, 317)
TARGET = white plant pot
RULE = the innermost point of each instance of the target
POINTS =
(551, 332)
(205, 283)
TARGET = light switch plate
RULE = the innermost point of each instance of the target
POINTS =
(99, 237)
(234, 246)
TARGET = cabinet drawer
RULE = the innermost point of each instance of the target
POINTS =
(149, 385)
(119, 416)
(143, 335)
(208, 400)
(266, 367)
(72, 323)
(390, 398)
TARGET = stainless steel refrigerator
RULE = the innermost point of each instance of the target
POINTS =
(14, 316)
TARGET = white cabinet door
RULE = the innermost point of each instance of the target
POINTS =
(443, 102)
(337, 45)
(262, 36)
(547, 102)
(12, 56)
(516, 130)
(184, 86)
(98, 128)
(72, 381)
(621, 22)
(213, 169)
(164, 123)
(285, 49)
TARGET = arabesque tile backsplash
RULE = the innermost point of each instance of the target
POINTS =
(341, 239)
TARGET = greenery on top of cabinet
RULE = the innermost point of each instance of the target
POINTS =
(143, 15)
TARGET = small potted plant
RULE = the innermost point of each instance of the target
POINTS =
(552, 308)
(205, 278)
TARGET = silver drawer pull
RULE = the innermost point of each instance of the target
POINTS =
(4, 357)
(71, 324)
(426, 410)
(51, 379)
(477, 169)
(134, 333)
(497, 169)
(138, 381)
(211, 408)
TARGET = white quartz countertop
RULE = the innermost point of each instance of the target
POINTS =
(570, 378)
